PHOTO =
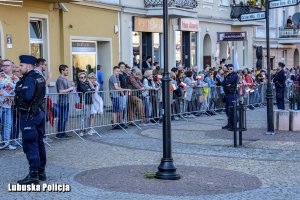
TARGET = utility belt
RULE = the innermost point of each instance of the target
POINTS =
(230, 89)
(31, 109)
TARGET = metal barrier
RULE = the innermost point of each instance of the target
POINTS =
(80, 113)
(294, 96)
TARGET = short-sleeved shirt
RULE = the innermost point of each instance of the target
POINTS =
(62, 84)
(112, 80)
(7, 85)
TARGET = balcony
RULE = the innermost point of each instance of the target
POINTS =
(238, 9)
(187, 4)
(289, 35)
(177, 8)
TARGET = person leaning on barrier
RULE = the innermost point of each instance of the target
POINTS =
(63, 87)
(230, 88)
(30, 93)
(85, 88)
(135, 103)
(116, 97)
(279, 81)
(8, 83)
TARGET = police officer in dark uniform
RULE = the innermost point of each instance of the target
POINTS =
(279, 81)
(30, 93)
(230, 88)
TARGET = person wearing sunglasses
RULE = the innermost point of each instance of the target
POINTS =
(230, 88)
(86, 89)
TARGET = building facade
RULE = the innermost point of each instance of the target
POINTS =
(199, 33)
(284, 38)
(78, 34)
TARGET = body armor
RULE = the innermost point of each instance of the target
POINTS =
(36, 104)
(232, 88)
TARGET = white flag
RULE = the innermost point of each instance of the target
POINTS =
(236, 62)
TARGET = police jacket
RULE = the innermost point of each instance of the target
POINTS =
(279, 79)
(230, 83)
(30, 93)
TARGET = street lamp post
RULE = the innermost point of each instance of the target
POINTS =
(270, 115)
(166, 169)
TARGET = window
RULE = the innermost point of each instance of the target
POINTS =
(38, 39)
(156, 47)
(272, 18)
(283, 18)
(178, 48)
(84, 56)
(224, 3)
(193, 48)
(136, 48)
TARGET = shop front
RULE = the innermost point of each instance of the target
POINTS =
(186, 38)
(147, 39)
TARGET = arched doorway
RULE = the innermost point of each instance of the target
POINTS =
(207, 50)
(296, 58)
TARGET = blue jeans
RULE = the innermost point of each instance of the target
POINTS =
(63, 113)
(6, 121)
(148, 107)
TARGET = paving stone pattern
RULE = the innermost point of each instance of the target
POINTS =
(112, 166)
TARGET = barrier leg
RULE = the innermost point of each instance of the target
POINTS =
(234, 124)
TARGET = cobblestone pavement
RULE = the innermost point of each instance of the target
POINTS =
(265, 167)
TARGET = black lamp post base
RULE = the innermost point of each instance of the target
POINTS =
(167, 170)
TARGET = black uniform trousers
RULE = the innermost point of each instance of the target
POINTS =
(33, 131)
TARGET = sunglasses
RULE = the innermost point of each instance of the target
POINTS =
(82, 77)
(230, 69)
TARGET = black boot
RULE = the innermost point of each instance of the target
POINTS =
(31, 178)
(42, 174)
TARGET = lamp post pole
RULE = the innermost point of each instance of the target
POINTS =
(269, 96)
(166, 169)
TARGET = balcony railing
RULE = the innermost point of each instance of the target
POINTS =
(289, 32)
(189, 4)
(238, 9)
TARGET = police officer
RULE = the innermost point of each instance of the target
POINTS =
(30, 93)
(279, 81)
(230, 87)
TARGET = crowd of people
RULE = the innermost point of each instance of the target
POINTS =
(135, 93)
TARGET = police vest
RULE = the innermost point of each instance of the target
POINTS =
(232, 88)
(36, 104)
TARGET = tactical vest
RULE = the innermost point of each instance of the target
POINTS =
(232, 88)
(37, 103)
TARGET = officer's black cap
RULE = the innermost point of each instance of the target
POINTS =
(230, 65)
(281, 64)
(26, 59)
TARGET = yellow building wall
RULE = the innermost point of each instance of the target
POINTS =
(86, 22)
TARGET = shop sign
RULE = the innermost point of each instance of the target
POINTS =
(189, 25)
(80, 46)
(232, 36)
(154, 25)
